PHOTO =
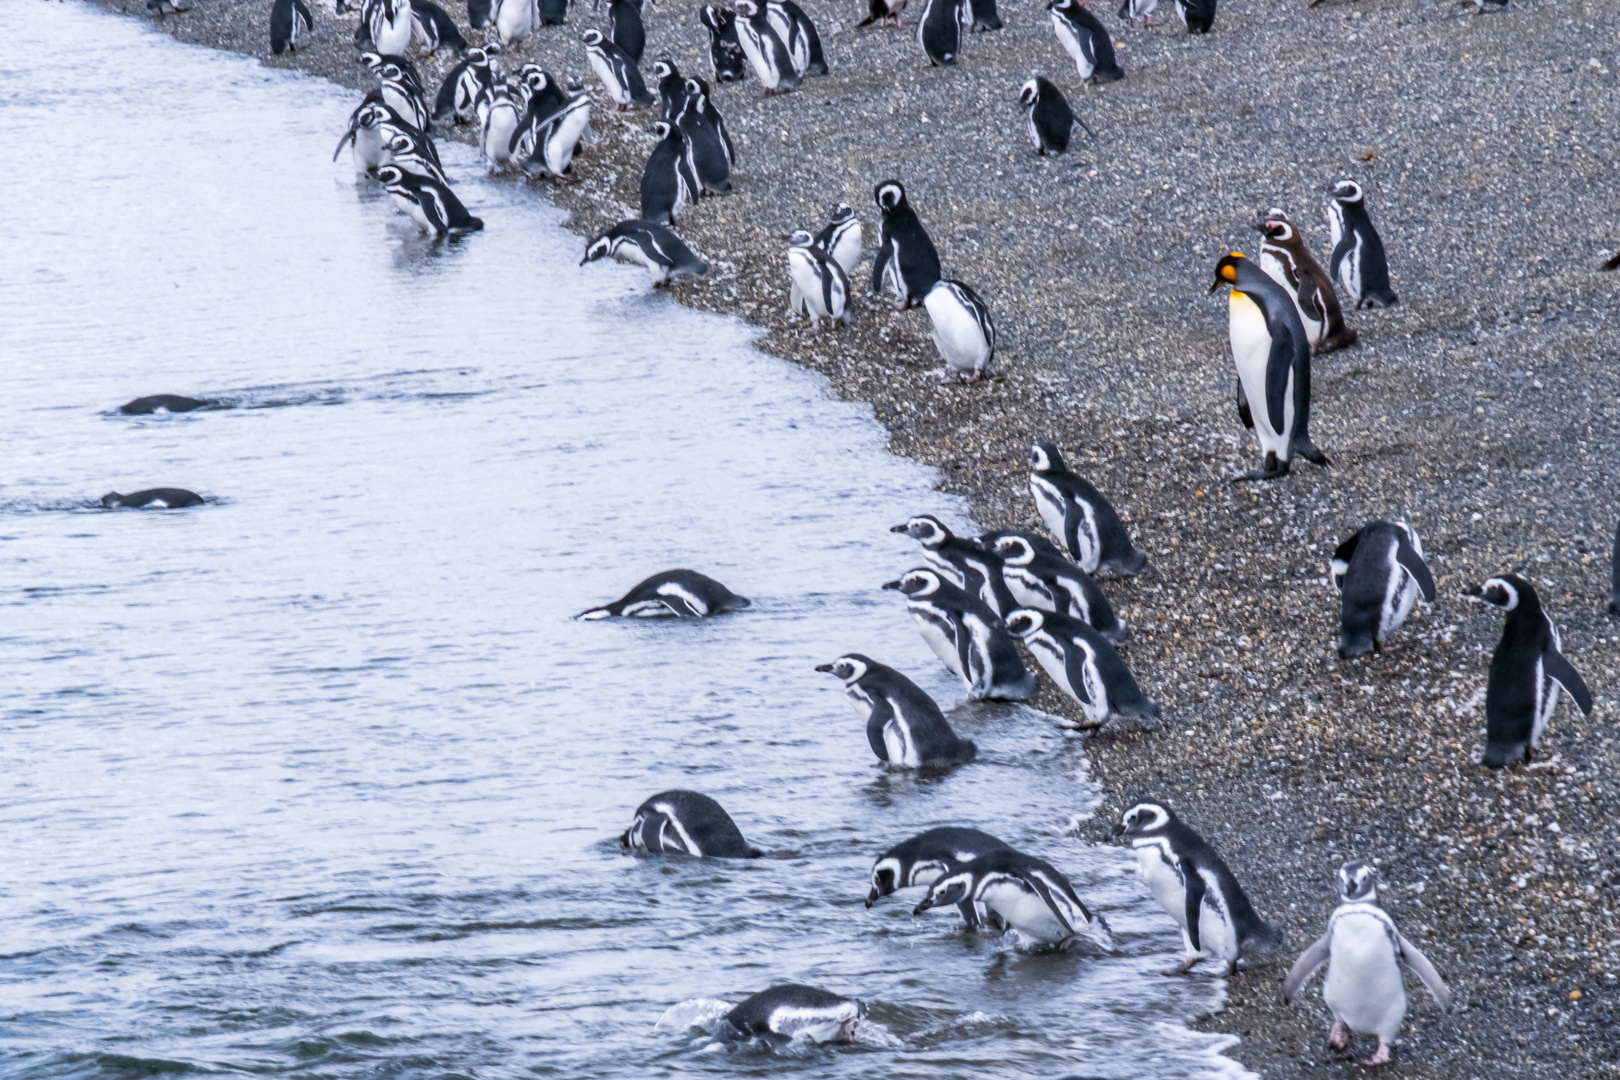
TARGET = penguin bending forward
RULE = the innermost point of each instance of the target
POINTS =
(1196, 888)
(782, 1014)
(1075, 512)
(1379, 573)
(903, 724)
(682, 594)
(966, 635)
(906, 264)
(649, 244)
(919, 861)
(939, 30)
(966, 563)
(1029, 895)
(686, 823)
(1047, 114)
(1053, 583)
(428, 201)
(1086, 666)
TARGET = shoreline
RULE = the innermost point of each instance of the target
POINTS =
(1489, 393)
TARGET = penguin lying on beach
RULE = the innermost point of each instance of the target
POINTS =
(683, 594)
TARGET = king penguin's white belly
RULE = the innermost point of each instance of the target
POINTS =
(1251, 350)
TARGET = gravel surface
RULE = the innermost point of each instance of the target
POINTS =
(1483, 410)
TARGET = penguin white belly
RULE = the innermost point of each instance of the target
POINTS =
(981, 674)
(566, 133)
(1028, 589)
(897, 740)
(860, 702)
(753, 47)
(1363, 986)
(412, 209)
(368, 152)
(1350, 270)
(1071, 44)
(498, 129)
(956, 331)
(514, 19)
(1402, 596)
(394, 37)
(941, 640)
(846, 251)
(1251, 351)
(1050, 504)
(1085, 536)
(1050, 657)
(1216, 935)
(1163, 881)
(1025, 912)
(807, 286)
(618, 92)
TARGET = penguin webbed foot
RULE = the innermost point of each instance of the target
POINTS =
(1183, 968)
(1382, 1057)
(1274, 470)
(1339, 1037)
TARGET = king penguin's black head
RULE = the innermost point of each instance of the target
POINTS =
(1226, 271)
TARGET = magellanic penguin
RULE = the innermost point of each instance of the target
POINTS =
(410, 151)
(726, 56)
(965, 562)
(434, 29)
(820, 288)
(1082, 36)
(480, 13)
(1358, 263)
(799, 34)
(394, 66)
(966, 635)
(686, 823)
(289, 21)
(428, 201)
(365, 134)
(618, 73)
(710, 153)
(671, 89)
(402, 92)
(906, 264)
(1290, 263)
(1273, 358)
(162, 403)
(683, 594)
(918, 862)
(1614, 589)
(886, 11)
(1196, 889)
(649, 244)
(996, 593)
(964, 333)
(546, 100)
(626, 30)
(552, 12)
(1047, 114)
(1085, 666)
(981, 15)
(1029, 895)
(1138, 12)
(458, 94)
(514, 20)
(1527, 669)
(390, 24)
(667, 184)
(164, 498)
(499, 114)
(783, 1014)
(1077, 514)
(903, 724)
(1198, 16)
(1379, 573)
(1048, 583)
(555, 138)
(1364, 986)
(939, 30)
(766, 51)
(841, 237)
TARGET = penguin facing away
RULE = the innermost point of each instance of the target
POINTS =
(1085, 665)
(1075, 512)
(903, 724)
(1358, 264)
(918, 862)
(1047, 115)
(1196, 889)
(710, 154)
(289, 21)
(1198, 16)
(667, 184)
(768, 54)
(1364, 986)
(671, 89)
(686, 823)
(681, 594)
(1138, 12)
(625, 28)
(966, 636)
(981, 15)
(906, 264)
(1029, 895)
(480, 13)
(799, 34)
(1379, 573)
(1085, 40)
(1527, 670)
(841, 237)
(939, 31)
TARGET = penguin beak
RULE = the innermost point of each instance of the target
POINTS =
(1218, 284)
(898, 528)
(891, 584)
(922, 907)
(872, 898)
(1477, 592)
(828, 667)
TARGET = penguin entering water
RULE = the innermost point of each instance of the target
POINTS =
(428, 201)
(684, 594)
(1527, 670)
(686, 823)
(939, 31)
(1196, 889)
(1076, 512)
(667, 183)
(906, 264)
(1055, 584)
(903, 724)
(435, 29)
(1364, 986)
(1273, 359)
(1029, 895)
(1198, 16)
(1379, 573)
(886, 11)
(726, 56)
(625, 28)
(1290, 263)
(1082, 36)
(1085, 666)
(618, 73)
(709, 151)
(649, 244)
(782, 1014)
(156, 403)
(289, 21)
(918, 862)
(963, 561)
(1047, 114)
(964, 333)
(966, 635)
(820, 288)
(765, 49)
(162, 498)
(841, 237)
(1358, 263)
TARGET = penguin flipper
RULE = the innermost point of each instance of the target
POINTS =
(1072, 517)
(1413, 563)
(882, 715)
(880, 263)
(1309, 960)
(970, 914)
(1075, 668)
(1424, 970)
(1043, 891)
(1564, 674)
(1278, 367)
(1611, 264)
(1195, 888)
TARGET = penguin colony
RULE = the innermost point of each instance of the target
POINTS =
(975, 595)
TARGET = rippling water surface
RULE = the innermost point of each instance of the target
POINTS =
(320, 778)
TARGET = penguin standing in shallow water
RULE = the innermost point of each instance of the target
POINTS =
(289, 21)
(1085, 666)
(841, 237)
(726, 56)
(618, 73)
(939, 31)
(964, 333)
(903, 724)
(1029, 895)
(966, 636)
(667, 184)
(1053, 584)
(1527, 669)
(1196, 889)
(686, 823)
(428, 201)
(1379, 573)
(1290, 263)
(820, 288)
(1273, 359)
(1082, 36)
(1358, 263)
(918, 862)
(1047, 114)
(1364, 986)
(682, 594)
(906, 264)
(782, 1014)
(1076, 512)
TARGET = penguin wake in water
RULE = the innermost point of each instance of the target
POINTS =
(918, 862)
(686, 823)
(161, 498)
(684, 594)
(966, 636)
(903, 724)
(156, 403)
(1379, 573)
(782, 1014)
(649, 244)
(1028, 894)
(1364, 986)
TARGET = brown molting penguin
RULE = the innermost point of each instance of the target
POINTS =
(1290, 263)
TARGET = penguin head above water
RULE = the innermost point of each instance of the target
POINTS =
(948, 889)
(849, 667)
(1226, 271)
(1023, 622)
(926, 528)
(918, 582)
(1143, 819)
(1347, 191)
(1358, 883)
(1504, 592)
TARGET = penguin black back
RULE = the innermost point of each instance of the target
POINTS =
(1359, 263)
(625, 28)
(145, 406)
(906, 263)
(726, 54)
(164, 498)
(1198, 16)
(686, 822)
(289, 21)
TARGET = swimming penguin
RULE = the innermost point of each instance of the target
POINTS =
(1614, 589)
(1085, 665)
(906, 263)
(963, 561)
(289, 21)
(156, 403)
(514, 20)
(649, 244)
(1527, 669)
(1047, 114)
(618, 73)
(1055, 584)
(480, 13)
(918, 862)
(1364, 986)
(820, 288)
(782, 1014)
(686, 823)
(671, 89)
(982, 15)
(684, 594)
(1196, 889)
(887, 11)
(390, 25)
(458, 94)
(500, 119)
(435, 29)
(1198, 16)
(1138, 11)
(1076, 512)
(1379, 573)
(1358, 263)
(1084, 39)
(966, 635)
(1029, 895)
(1290, 263)
(964, 333)
(903, 724)
(710, 154)
(162, 498)
(625, 28)
(557, 137)
(428, 201)
(939, 31)
(766, 51)
(726, 56)
(1273, 359)
(667, 184)
(841, 237)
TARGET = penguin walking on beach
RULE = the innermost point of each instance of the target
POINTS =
(1050, 583)
(1198, 16)
(1085, 666)
(710, 153)
(1050, 120)
(618, 73)
(428, 201)
(1379, 573)
(903, 724)
(458, 95)
(1273, 358)
(726, 57)
(434, 29)
(966, 636)
(1284, 256)
(884, 11)
(918, 862)
(671, 594)
(820, 288)
(1527, 670)
(499, 114)
(965, 562)
(1196, 888)
(906, 264)
(964, 333)
(1028, 894)
(1363, 950)
(1077, 513)
(1082, 36)
(514, 20)
(686, 823)
(841, 237)
(289, 21)
(939, 31)
(625, 28)
(765, 49)
(667, 183)
(1358, 263)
